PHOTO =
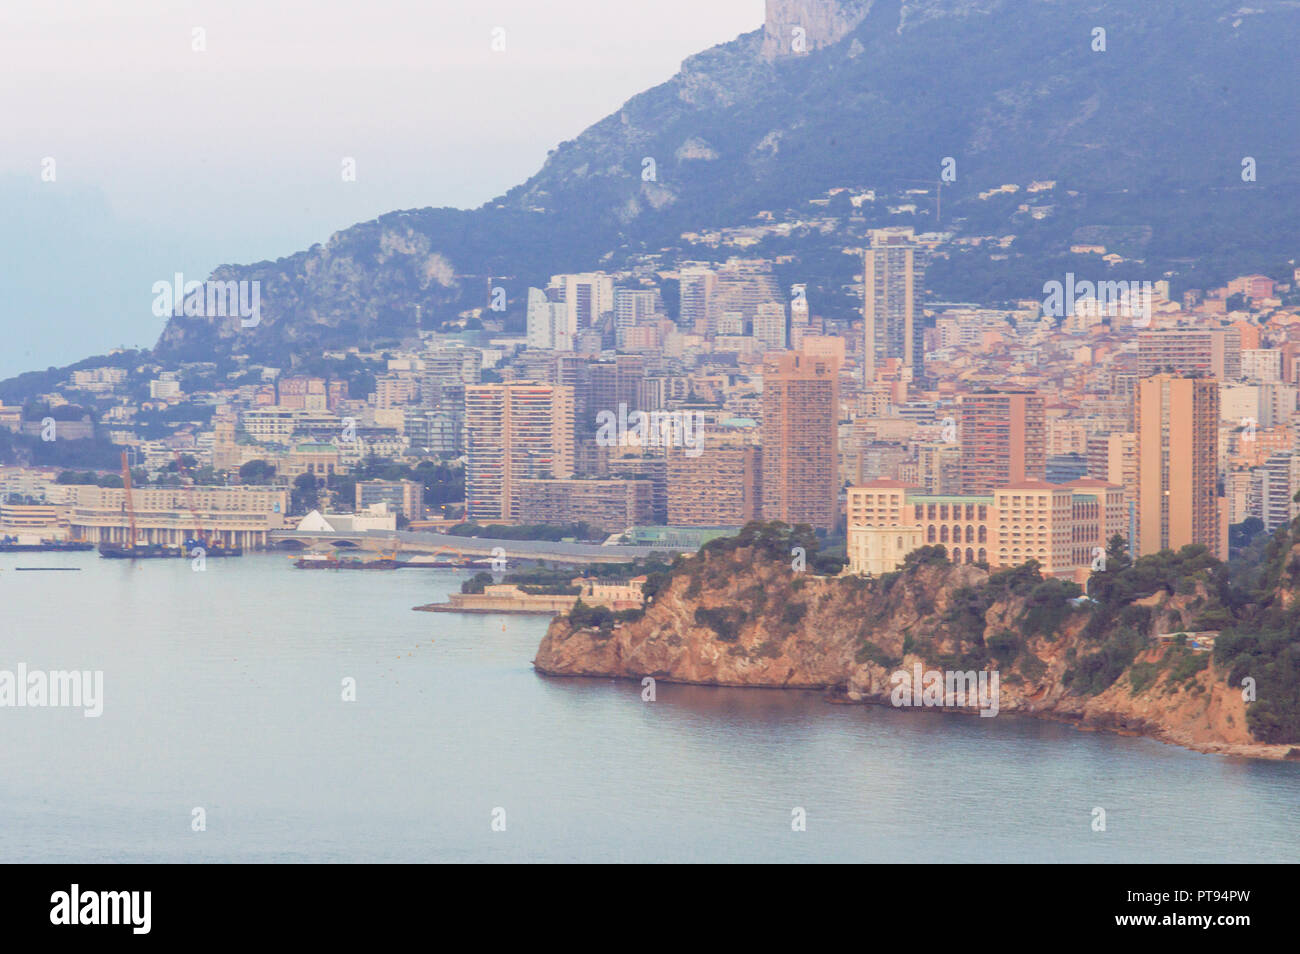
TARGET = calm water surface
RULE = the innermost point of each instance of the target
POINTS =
(223, 691)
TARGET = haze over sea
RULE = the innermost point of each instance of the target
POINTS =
(223, 691)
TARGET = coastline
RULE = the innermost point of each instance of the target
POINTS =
(837, 695)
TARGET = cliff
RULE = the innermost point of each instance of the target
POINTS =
(738, 615)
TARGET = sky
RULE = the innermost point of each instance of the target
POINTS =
(139, 138)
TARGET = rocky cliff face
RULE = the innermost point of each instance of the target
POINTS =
(741, 619)
(792, 27)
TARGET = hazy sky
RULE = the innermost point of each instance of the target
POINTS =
(169, 159)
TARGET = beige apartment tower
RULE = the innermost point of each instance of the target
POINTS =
(1177, 455)
(800, 439)
(1003, 439)
(516, 431)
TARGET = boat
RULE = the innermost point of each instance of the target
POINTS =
(318, 561)
(213, 549)
(140, 551)
(44, 546)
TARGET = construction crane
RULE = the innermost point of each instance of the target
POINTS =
(130, 507)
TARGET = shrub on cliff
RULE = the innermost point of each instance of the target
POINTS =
(1047, 607)
(966, 611)
(1097, 672)
(1005, 645)
(725, 621)
(600, 618)
(927, 556)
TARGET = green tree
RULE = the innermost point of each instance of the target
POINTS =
(256, 472)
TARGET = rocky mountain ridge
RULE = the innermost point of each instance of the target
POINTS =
(1150, 130)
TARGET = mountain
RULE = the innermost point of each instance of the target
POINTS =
(736, 614)
(1145, 129)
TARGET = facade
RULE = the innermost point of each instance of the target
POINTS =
(438, 431)
(321, 460)
(800, 440)
(1003, 439)
(404, 497)
(548, 322)
(891, 285)
(881, 528)
(271, 425)
(632, 307)
(515, 431)
(769, 325)
(235, 516)
(611, 505)
(1062, 527)
(697, 287)
(1214, 352)
(1113, 458)
(653, 469)
(722, 487)
(1177, 450)
(30, 522)
(1275, 486)
(586, 297)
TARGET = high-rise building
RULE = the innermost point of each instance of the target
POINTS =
(1177, 451)
(607, 505)
(741, 288)
(1262, 364)
(769, 325)
(1276, 483)
(800, 439)
(721, 487)
(1003, 439)
(1190, 351)
(587, 296)
(632, 306)
(646, 467)
(697, 286)
(891, 285)
(404, 497)
(514, 431)
(613, 383)
(1113, 458)
(548, 321)
(436, 430)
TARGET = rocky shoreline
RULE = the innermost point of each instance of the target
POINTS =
(851, 639)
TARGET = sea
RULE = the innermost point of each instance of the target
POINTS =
(255, 712)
